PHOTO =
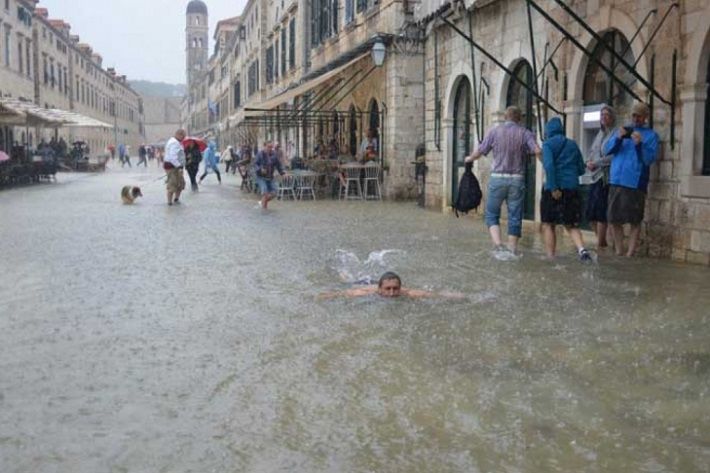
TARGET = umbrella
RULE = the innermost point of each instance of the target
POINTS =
(4, 156)
(201, 145)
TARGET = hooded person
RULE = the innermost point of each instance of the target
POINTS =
(211, 158)
(561, 202)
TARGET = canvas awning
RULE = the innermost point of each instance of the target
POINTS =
(24, 113)
(78, 120)
(301, 89)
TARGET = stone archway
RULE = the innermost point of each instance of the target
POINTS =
(461, 139)
(694, 101)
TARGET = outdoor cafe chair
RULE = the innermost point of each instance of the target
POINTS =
(286, 187)
(350, 187)
(304, 185)
(372, 178)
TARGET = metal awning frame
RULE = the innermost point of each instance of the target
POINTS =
(444, 12)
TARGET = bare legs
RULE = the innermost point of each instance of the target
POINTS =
(617, 230)
(265, 199)
(173, 197)
(600, 229)
(548, 233)
(494, 230)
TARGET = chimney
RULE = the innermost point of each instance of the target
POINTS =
(42, 13)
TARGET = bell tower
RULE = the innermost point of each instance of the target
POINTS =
(196, 37)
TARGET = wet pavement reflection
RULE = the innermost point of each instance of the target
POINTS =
(190, 339)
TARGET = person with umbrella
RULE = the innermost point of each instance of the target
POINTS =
(193, 155)
(211, 161)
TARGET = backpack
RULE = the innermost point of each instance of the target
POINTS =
(469, 195)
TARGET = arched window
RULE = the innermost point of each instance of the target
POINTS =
(374, 115)
(194, 42)
(353, 131)
(461, 132)
(599, 87)
(200, 42)
(197, 20)
(522, 97)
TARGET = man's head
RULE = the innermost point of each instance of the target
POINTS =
(180, 134)
(269, 146)
(513, 114)
(389, 285)
(639, 114)
(607, 116)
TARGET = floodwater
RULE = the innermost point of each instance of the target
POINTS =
(190, 339)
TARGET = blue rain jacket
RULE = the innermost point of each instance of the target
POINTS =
(631, 164)
(211, 156)
(561, 158)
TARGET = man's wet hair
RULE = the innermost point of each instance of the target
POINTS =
(387, 276)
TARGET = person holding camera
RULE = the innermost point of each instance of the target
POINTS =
(633, 149)
(266, 162)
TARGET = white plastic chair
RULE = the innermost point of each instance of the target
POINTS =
(350, 179)
(286, 187)
(304, 186)
(372, 177)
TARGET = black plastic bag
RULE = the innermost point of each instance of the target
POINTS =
(469, 195)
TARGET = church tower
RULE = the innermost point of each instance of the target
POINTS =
(196, 35)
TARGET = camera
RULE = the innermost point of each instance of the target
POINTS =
(628, 130)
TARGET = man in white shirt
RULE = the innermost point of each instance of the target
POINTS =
(173, 164)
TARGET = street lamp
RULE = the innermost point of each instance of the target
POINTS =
(378, 52)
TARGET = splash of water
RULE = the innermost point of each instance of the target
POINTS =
(351, 269)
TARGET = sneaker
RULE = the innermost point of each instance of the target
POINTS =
(585, 256)
(176, 202)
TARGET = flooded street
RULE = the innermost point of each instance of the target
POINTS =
(150, 338)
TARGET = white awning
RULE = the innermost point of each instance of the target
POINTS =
(290, 94)
(24, 113)
(78, 120)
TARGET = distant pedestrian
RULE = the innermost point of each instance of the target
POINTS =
(599, 163)
(633, 149)
(265, 164)
(561, 202)
(227, 157)
(211, 161)
(173, 165)
(192, 164)
(142, 154)
(511, 143)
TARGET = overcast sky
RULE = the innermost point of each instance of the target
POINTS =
(144, 39)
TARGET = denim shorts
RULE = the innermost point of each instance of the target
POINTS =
(266, 186)
(512, 191)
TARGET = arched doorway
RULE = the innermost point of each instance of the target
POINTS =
(353, 131)
(461, 133)
(522, 98)
(599, 87)
(374, 122)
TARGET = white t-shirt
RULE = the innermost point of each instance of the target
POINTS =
(174, 154)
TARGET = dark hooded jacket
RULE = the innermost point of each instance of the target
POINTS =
(561, 158)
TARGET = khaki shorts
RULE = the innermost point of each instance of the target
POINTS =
(176, 181)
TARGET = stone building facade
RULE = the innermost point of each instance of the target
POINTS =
(42, 62)
(162, 118)
(283, 57)
(678, 204)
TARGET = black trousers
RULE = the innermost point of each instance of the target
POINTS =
(192, 172)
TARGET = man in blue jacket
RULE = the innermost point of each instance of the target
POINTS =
(633, 148)
(561, 203)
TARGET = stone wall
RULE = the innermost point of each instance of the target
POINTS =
(677, 223)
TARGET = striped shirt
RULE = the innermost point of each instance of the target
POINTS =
(510, 143)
